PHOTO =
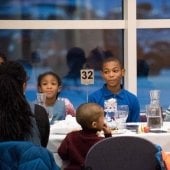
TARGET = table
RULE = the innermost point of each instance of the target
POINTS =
(163, 139)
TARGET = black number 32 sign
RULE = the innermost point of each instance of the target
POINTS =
(87, 76)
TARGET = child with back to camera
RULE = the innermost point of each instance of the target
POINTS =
(76, 144)
(17, 72)
(50, 84)
(17, 122)
(112, 72)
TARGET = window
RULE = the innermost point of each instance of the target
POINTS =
(159, 9)
(61, 10)
(133, 34)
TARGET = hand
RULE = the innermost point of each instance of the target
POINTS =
(106, 129)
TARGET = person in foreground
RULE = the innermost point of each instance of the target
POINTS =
(77, 143)
(112, 72)
(17, 122)
(24, 155)
(50, 84)
(14, 72)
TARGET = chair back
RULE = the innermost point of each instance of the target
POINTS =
(122, 153)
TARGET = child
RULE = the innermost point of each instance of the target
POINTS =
(50, 84)
(17, 72)
(15, 111)
(112, 72)
(76, 144)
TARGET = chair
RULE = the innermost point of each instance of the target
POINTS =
(122, 153)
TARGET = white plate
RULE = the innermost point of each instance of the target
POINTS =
(133, 123)
(119, 131)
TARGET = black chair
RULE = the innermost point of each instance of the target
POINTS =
(122, 153)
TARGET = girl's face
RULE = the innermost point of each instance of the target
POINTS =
(112, 73)
(49, 85)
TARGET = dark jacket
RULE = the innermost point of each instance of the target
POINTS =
(25, 156)
(43, 125)
(75, 147)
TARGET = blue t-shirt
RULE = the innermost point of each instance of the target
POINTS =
(124, 97)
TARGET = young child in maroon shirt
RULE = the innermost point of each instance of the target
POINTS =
(76, 144)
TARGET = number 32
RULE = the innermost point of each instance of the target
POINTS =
(87, 74)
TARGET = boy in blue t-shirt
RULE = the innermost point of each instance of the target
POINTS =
(112, 72)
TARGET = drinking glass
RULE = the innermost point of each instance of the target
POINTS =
(121, 115)
(50, 113)
(41, 98)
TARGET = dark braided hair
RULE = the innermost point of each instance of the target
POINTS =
(15, 112)
(15, 70)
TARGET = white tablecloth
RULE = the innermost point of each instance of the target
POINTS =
(163, 139)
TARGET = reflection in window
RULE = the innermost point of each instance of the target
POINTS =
(154, 64)
(151, 9)
(42, 50)
(61, 10)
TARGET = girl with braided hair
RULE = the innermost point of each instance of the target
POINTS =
(17, 122)
(13, 103)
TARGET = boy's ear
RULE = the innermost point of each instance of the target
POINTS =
(123, 72)
(93, 124)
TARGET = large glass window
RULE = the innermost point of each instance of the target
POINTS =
(61, 9)
(153, 9)
(153, 64)
(41, 33)
(42, 50)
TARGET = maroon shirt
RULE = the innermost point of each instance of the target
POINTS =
(75, 147)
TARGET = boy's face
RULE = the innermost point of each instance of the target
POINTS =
(112, 73)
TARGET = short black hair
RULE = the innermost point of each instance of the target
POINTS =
(110, 58)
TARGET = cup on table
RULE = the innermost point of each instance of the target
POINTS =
(121, 116)
(41, 98)
(50, 113)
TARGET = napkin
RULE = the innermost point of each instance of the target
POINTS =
(65, 126)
